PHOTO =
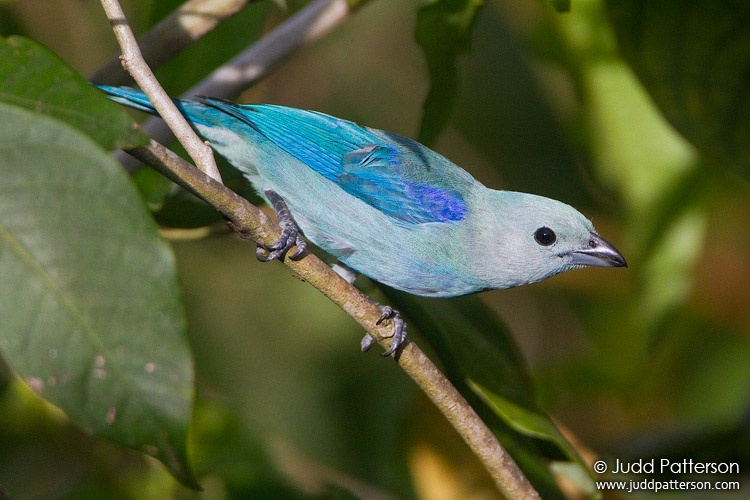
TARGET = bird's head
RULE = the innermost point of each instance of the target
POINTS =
(533, 238)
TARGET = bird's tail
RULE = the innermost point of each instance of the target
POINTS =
(195, 111)
(129, 97)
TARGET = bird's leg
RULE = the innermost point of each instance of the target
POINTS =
(290, 236)
(289, 233)
(399, 334)
(399, 330)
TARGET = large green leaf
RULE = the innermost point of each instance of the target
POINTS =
(34, 78)
(693, 57)
(444, 32)
(90, 307)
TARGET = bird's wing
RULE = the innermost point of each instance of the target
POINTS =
(389, 172)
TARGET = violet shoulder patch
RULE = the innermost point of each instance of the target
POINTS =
(374, 175)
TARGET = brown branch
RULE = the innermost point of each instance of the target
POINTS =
(317, 19)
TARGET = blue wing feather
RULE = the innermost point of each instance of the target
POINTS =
(375, 174)
(362, 163)
(387, 171)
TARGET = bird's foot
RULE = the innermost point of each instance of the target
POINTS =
(399, 330)
(290, 234)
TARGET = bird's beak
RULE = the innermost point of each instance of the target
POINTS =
(597, 252)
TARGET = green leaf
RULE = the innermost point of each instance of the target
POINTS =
(477, 351)
(692, 56)
(34, 78)
(90, 308)
(444, 32)
(534, 423)
(560, 5)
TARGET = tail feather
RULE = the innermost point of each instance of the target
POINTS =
(195, 111)
(130, 97)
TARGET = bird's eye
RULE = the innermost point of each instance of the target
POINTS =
(545, 236)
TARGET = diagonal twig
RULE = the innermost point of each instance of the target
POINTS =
(132, 61)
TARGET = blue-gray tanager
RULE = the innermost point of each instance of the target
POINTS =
(387, 206)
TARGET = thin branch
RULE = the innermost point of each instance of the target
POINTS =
(306, 26)
(133, 62)
(191, 21)
(251, 223)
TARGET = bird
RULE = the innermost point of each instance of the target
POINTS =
(387, 206)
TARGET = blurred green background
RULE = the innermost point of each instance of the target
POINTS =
(649, 362)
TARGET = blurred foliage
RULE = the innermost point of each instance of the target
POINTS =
(443, 30)
(693, 57)
(587, 107)
(216, 48)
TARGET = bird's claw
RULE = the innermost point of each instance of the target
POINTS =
(280, 247)
(399, 331)
(290, 234)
